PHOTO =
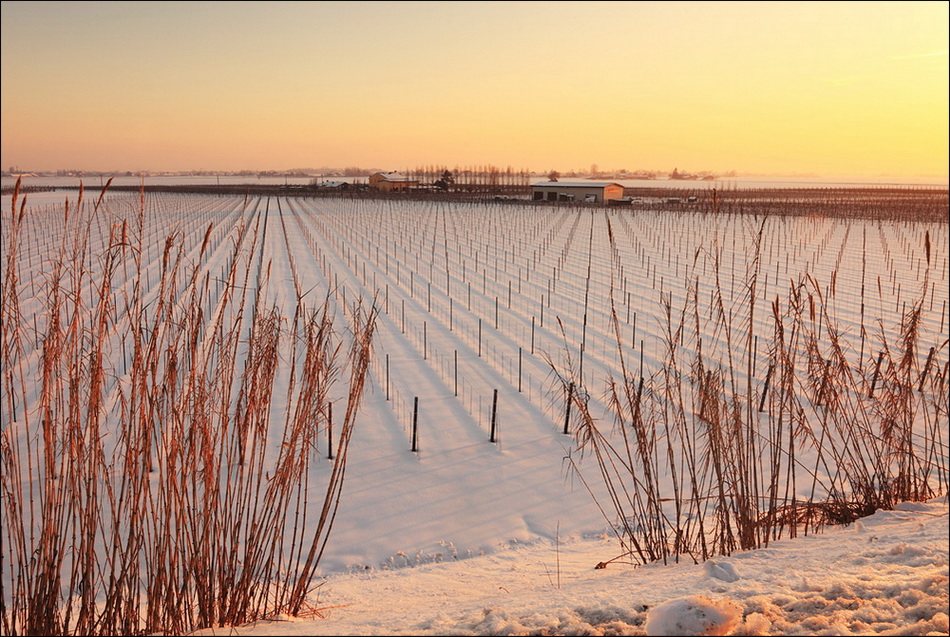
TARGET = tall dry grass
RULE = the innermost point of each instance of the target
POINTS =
(145, 488)
(710, 455)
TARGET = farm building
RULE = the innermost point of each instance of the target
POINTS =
(333, 185)
(392, 182)
(580, 191)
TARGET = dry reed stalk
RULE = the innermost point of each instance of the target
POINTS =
(163, 516)
(359, 361)
(735, 475)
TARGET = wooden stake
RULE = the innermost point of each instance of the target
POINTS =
(415, 421)
(494, 410)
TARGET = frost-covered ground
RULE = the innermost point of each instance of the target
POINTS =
(469, 535)
(885, 574)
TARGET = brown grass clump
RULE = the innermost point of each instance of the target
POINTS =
(144, 487)
(708, 459)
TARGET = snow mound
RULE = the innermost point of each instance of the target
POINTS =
(694, 615)
(724, 571)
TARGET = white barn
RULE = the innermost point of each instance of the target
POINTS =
(578, 191)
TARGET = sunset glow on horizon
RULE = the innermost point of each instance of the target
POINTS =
(825, 88)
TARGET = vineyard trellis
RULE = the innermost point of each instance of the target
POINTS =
(763, 374)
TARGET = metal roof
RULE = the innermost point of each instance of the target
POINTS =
(394, 176)
(577, 184)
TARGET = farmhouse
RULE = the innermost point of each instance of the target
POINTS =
(581, 191)
(392, 182)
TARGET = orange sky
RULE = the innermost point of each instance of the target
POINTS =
(833, 89)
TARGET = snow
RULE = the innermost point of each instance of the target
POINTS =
(693, 615)
(467, 536)
(886, 574)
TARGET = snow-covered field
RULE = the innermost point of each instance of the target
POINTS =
(883, 575)
(466, 508)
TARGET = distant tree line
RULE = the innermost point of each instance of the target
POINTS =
(485, 178)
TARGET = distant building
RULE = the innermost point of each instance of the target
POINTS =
(392, 182)
(578, 191)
